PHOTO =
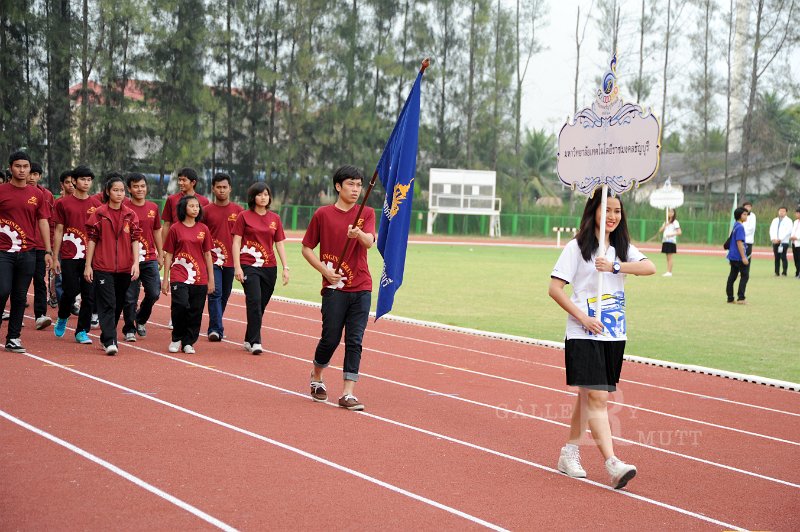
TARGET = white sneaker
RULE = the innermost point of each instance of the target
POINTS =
(569, 462)
(256, 349)
(130, 337)
(248, 347)
(95, 321)
(188, 349)
(111, 350)
(174, 347)
(668, 274)
(42, 322)
(620, 472)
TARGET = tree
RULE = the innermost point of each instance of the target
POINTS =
(578, 44)
(777, 28)
(58, 115)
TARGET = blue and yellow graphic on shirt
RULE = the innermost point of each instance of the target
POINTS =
(612, 313)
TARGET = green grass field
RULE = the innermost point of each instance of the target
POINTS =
(683, 318)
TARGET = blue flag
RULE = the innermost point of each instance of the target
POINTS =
(396, 169)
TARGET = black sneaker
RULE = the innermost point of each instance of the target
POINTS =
(15, 346)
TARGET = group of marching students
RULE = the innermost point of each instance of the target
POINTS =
(99, 251)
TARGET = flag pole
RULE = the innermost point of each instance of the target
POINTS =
(425, 64)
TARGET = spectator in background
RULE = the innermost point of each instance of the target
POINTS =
(738, 258)
(779, 232)
(749, 229)
(795, 239)
(669, 242)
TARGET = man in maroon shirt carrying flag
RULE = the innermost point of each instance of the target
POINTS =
(23, 210)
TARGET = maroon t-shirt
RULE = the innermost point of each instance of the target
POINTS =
(73, 213)
(149, 222)
(328, 228)
(220, 220)
(21, 208)
(50, 200)
(259, 233)
(170, 212)
(188, 245)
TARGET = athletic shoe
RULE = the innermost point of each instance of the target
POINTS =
(174, 347)
(620, 472)
(350, 402)
(15, 346)
(256, 349)
(569, 462)
(76, 309)
(42, 322)
(188, 349)
(248, 347)
(741, 301)
(52, 301)
(111, 350)
(141, 330)
(318, 391)
(60, 328)
(214, 336)
(169, 325)
(668, 274)
(95, 321)
(6, 315)
(130, 337)
(82, 338)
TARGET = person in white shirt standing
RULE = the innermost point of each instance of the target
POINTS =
(749, 229)
(795, 239)
(779, 232)
(669, 243)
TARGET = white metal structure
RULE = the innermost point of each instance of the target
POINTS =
(456, 191)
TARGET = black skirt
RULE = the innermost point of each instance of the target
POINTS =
(669, 247)
(593, 363)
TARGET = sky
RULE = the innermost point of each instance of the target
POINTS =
(549, 84)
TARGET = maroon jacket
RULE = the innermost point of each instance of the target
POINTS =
(113, 252)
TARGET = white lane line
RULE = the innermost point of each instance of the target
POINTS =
(550, 389)
(526, 415)
(305, 454)
(427, 432)
(121, 472)
(510, 358)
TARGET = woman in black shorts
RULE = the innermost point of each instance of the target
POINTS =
(669, 242)
(594, 347)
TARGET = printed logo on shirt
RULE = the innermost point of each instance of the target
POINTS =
(232, 216)
(77, 239)
(151, 213)
(91, 210)
(12, 237)
(189, 264)
(218, 253)
(257, 251)
(33, 200)
(612, 313)
(273, 225)
(127, 227)
(201, 235)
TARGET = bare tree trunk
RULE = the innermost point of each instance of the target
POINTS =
(442, 133)
(228, 87)
(666, 65)
(471, 80)
(496, 98)
(640, 80)
(728, 99)
(400, 99)
(274, 87)
(748, 117)
(706, 98)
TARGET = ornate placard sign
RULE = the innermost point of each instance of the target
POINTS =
(666, 197)
(610, 143)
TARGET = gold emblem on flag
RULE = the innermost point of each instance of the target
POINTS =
(400, 193)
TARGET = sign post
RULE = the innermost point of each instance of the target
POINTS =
(611, 146)
(667, 198)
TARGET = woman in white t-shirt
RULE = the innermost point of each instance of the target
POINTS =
(669, 242)
(594, 347)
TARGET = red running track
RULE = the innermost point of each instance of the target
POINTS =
(460, 432)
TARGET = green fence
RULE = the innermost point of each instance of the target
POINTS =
(296, 217)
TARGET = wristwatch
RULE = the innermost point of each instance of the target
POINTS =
(48, 253)
(616, 268)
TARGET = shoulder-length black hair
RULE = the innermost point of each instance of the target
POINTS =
(109, 184)
(256, 189)
(182, 208)
(587, 239)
